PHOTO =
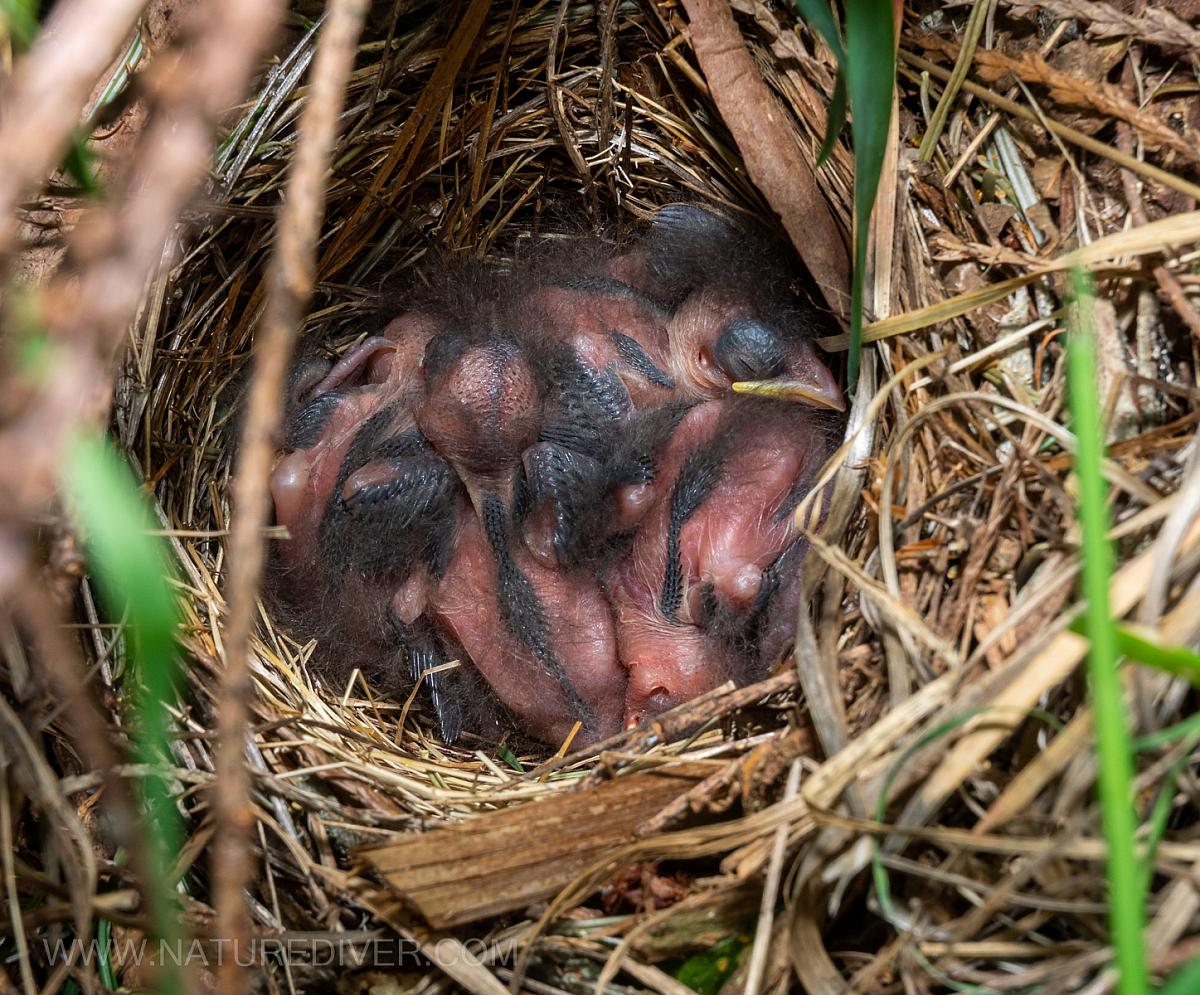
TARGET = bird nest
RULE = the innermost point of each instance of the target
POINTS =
(932, 722)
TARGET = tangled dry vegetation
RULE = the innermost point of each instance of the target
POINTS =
(935, 707)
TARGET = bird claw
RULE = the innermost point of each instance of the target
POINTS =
(426, 659)
(565, 493)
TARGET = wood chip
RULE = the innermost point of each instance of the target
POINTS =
(511, 858)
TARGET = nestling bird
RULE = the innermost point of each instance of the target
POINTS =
(540, 476)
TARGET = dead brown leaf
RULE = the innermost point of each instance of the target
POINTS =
(770, 147)
(1076, 89)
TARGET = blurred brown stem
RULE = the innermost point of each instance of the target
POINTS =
(43, 103)
(87, 307)
(290, 283)
(768, 143)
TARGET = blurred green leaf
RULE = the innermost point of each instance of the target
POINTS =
(1113, 748)
(130, 569)
(79, 164)
(20, 19)
(705, 972)
(129, 563)
(35, 356)
(866, 80)
(1176, 660)
(29, 348)
(1185, 981)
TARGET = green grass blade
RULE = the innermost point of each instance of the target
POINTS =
(108, 977)
(883, 889)
(1185, 981)
(1165, 737)
(1176, 660)
(1126, 912)
(870, 79)
(130, 568)
(819, 14)
(1160, 812)
(510, 758)
(835, 119)
(867, 79)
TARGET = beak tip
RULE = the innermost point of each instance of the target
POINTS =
(818, 395)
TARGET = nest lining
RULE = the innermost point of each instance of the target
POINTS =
(528, 189)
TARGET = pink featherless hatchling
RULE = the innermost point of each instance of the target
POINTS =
(541, 472)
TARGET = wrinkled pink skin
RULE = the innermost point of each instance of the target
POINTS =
(668, 662)
(301, 485)
(580, 631)
(410, 334)
(583, 320)
(464, 602)
(625, 660)
(685, 349)
(734, 536)
(480, 414)
(302, 481)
